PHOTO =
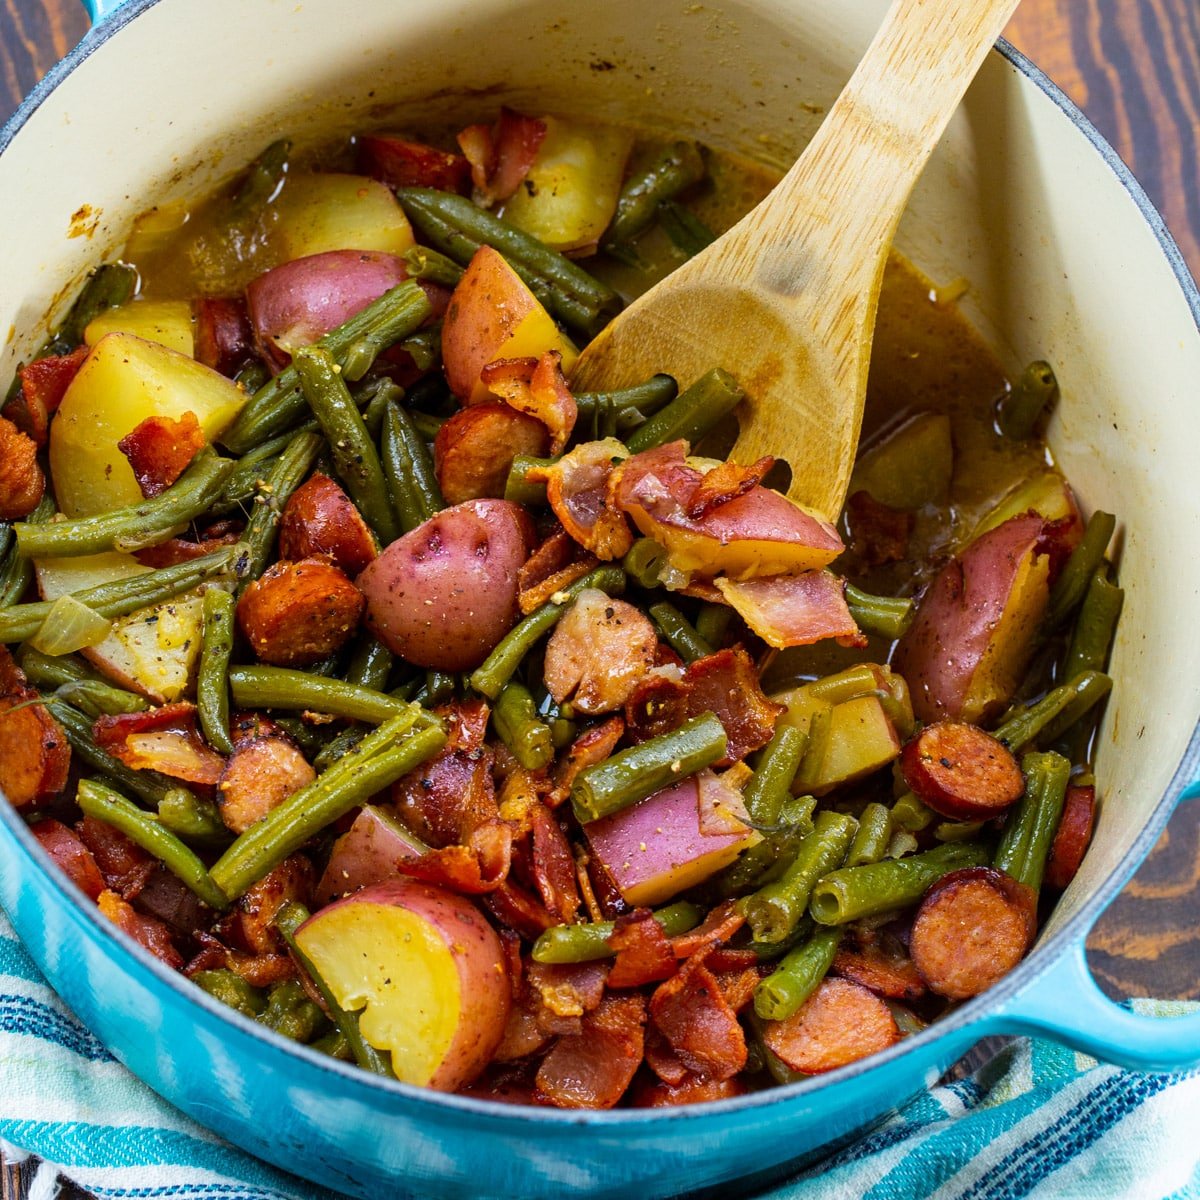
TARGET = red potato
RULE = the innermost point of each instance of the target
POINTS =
(756, 534)
(972, 928)
(443, 595)
(367, 853)
(296, 303)
(426, 972)
(319, 519)
(973, 633)
(961, 772)
(492, 315)
(398, 162)
(1071, 841)
(474, 450)
(672, 840)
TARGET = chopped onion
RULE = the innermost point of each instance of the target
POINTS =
(69, 626)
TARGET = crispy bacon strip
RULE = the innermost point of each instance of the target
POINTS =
(577, 488)
(178, 550)
(723, 483)
(478, 867)
(517, 909)
(164, 739)
(399, 162)
(658, 704)
(148, 932)
(553, 866)
(718, 926)
(726, 683)
(536, 386)
(691, 1012)
(501, 154)
(794, 610)
(556, 564)
(644, 953)
(44, 382)
(690, 1089)
(70, 855)
(565, 992)
(592, 746)
(160, 448)
(594, 1068)
(124, 865)
(22, 483)
(662, 1059)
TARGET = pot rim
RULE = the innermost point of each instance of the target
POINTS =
(976, 1011)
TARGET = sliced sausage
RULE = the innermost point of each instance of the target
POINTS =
(224, 339)
(962, 772)
(972, 928)
(298, 613)
(692, 1090)
(260, 775)
(21, 480)
(34, 752)
(474, 449)
(891, 976)
(839, 1023)
(1071, 841)
(149, 932)
(320, 519)
(70, 855)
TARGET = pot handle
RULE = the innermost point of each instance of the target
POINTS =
(99, 10)
(1065, 1003)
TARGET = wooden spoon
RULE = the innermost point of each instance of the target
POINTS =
(786, 299)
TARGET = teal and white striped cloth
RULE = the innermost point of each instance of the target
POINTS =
(1032, 1120)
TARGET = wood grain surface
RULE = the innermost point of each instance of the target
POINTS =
(1134, 68)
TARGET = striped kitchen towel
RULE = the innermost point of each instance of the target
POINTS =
(1032, 1120)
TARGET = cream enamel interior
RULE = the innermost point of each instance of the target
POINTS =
(1062, 263)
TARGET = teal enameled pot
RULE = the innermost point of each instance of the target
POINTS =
(1066, 260)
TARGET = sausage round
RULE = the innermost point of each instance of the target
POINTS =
(961, 772)
(320, 519)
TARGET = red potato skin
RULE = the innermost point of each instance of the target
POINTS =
(368, 852)
(961, 772)
(444, 595)
(474, 449)
(485, 994)
(298, 613)
(1073, 836)
(319, 519)
(972, 928)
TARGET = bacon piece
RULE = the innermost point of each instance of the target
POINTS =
(577, 489)
(148, 932)
(159, 450)
(839, 1023)
(224, 339)
(553, 866)
(592, 746)
(890, 975)
(124, 865)
(736, 986)
(594, 1068)
(536, 386)
(179, 550)
(794, 610)
(523, 1035)
(556, 564)
(478, 867)
(599, 652)
(691, 1089)
(662, 1059)
(164, 739)
(691, 1012)
(564, 992)
(35, 755)
(297, 613)
(878, 534)
(261, 970)
(517, 909)
(726, 684)
(168, 898)
(474, 449)
(44, 382)
(251, 925)
(500, 155)
(399, 162)
(260, 775)
(726, 960)
(70, 856)
(658, 705)
(503, 1084)
(22, 483)
(319, 519)
(726, 481)
(644, 953)
(1071, 841)
(718, 926)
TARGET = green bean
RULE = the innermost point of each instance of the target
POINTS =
(370, 665)
(231, 989)
(6, 537)
(254, 376)
(108, 286)
(17, 572)
(262, 179)
(662, 176)
(97, 800)
(639, 771)
(458, 228)
(679, 632)
(520, 490)
(515, 718)
(774, 910)
(1094, 627)
(288, 920)
(193, 819)
(644, 562)
(355, 457)
(280, 404)
(873, 837)
(438, 687)
(769, 858)
(135, 526)
(770, 785)
(426, 425)
(957, 831)
(247, 478)
(712, 623)
(855, 892)
(97, 698)
(691, 414)
(589, 943)
(334, 1044)
(1057, 710)
(799, 975)
(1029, 400)
(500, 666)
(381, 392)
(424, 347)
(412, 484)
(52, 670)
(626, 408)
(124, 596)
(212, 688)
(281, 687)
(885, 616)
(423, 263)
(291, 1013)
(391, 751)
(311, 739)
(289, 472)
(1031, 825)
(1085, 559)
(339, 746)
(686, 231)
(909, 814)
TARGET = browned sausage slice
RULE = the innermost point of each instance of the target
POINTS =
(839, 1023)
(34, 751)
(21, 480)
(298, 613)
(962, 772)
(1071, 841)
(260, 775)
(474, 449)
(320, 519)
(972, 928)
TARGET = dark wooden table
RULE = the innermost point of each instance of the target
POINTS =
(1134, 67)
